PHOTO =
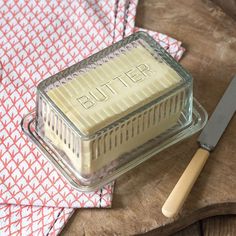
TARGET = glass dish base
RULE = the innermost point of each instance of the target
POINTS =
(199, 119)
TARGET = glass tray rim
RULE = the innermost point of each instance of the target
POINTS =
(198, 122)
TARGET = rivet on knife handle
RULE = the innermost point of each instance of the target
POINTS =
(181, 190)
(208, 139)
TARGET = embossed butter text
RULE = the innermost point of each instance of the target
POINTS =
(115, 86)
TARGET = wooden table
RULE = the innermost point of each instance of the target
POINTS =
(209, 35)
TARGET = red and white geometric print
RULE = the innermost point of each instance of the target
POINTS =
(31, 220)
(60, 221)
(38, 39)
(125, 19)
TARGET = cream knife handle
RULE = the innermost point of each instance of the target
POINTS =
(181, 190)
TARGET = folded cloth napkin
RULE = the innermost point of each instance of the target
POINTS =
(38, 39)
(32, 220)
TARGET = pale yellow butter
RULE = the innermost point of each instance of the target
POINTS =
(102, 95)
(97, 98)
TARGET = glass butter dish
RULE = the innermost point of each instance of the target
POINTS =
(108, 113)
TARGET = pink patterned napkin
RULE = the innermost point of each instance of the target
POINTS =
(38, 39)
(32, 220)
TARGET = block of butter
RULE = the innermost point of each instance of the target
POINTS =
(98, 111)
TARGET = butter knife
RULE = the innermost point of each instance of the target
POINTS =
(208, 139)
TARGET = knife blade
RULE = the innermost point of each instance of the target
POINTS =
(220, 118)
(208, 139)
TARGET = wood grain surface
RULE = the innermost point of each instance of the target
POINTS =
(213, 226)
(229, 6)
(220, 225)
(193, 230)
(209, 35)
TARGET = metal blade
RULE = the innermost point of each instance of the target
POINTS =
(220, 118)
